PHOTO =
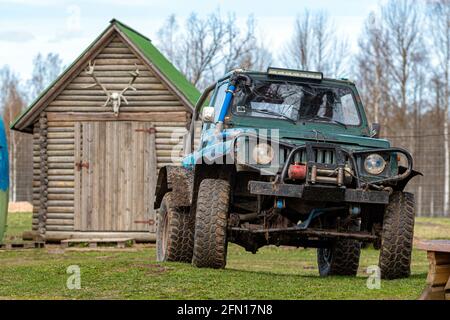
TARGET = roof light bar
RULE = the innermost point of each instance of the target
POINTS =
(295, 73)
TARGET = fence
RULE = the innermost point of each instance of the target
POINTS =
(429, 158)
(21, 167)
(427, 149)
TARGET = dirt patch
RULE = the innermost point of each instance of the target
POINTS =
(154, 269)
(20, 207)
(428, 224)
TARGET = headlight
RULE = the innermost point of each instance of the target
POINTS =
(374, 164)
(262, 153)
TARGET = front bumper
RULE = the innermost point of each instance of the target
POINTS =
(318, 192)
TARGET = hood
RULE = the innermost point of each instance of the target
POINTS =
(299, 137)
(351, 141)
(216, 145)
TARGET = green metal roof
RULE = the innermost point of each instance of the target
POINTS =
(161, 62)
(149, 51)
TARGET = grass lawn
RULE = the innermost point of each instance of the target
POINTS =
(272, 273)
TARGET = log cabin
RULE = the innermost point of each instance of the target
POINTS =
(101, 131)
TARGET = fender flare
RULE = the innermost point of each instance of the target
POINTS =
(401, 185)
(178, 180)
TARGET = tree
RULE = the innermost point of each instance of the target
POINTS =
(315, 46)
(46, 69)
(402, 19)
(439, 17)
(18, 143)
(212, 46)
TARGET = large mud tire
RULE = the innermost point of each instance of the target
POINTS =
(342, 258)
(397, 236)
(210, 239)
(175, 233)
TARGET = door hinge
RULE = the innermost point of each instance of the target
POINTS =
(150, 222)
(147, 130)
(81, 164)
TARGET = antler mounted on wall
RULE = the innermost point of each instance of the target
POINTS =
(114, 98)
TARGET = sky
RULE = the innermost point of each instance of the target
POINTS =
(28, 27)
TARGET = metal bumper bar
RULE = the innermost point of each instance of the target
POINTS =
(318, 192)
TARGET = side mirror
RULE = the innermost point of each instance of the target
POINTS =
(208, 114)
(375, 132)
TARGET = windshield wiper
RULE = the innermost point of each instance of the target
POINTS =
(328, 119)
(272, 113)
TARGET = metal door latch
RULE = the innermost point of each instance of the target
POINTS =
(81, 164)
(150, 222)
(147, 130)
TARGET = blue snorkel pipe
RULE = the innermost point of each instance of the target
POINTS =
(229, 97)
(226, 103)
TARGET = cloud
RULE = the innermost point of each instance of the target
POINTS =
(16, 36)
(66, 36)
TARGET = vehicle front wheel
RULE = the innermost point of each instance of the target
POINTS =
(397, 236)
(174, 233)
(341, 258)
(210, 239)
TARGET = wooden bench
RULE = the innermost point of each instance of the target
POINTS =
(93, 243)
(438, 279)
(22, 245)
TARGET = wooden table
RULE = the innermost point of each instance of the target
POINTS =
(438, 279)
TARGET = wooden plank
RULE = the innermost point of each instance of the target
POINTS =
(447, 290)
(88, 80)
(115, 177)
(152, 172)
(99, 62)
(131, 199)
(118, 86)
(84, 176)
(120, 178)
(59, 222)
(434, 245)
(140, 104)
(433, 293)
(172, 106)
(71, 99)
(93, 92)
(109, 116)
(439, 268)
(62, 235)
(90, 174)
(108, 175)
(94, 170)
(101, 178)
(53, 196)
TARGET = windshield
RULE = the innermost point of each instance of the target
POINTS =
(297, 101)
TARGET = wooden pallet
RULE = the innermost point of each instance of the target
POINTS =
(22, 245)
(94, 243)
(438, 279)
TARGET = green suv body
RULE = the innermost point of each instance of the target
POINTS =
(286, 157)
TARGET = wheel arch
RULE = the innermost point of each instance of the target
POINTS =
(401, 185)
(177, 180)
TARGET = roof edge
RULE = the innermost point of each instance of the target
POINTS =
(45, 94)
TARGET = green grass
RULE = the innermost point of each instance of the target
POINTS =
(272, 273)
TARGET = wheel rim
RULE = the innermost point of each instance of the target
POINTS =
(165, 233)
(327, 255)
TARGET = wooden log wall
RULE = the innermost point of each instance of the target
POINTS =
(112, 67)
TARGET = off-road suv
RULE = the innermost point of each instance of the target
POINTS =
(286, 157)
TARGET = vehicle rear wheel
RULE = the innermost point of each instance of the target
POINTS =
(397, 236)
(210, 239)
(342, 258)
(175, 233)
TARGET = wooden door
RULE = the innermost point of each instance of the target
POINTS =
(115, 176)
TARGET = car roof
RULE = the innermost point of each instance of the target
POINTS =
(262, 74)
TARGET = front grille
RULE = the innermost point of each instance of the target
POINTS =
(325, 156)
